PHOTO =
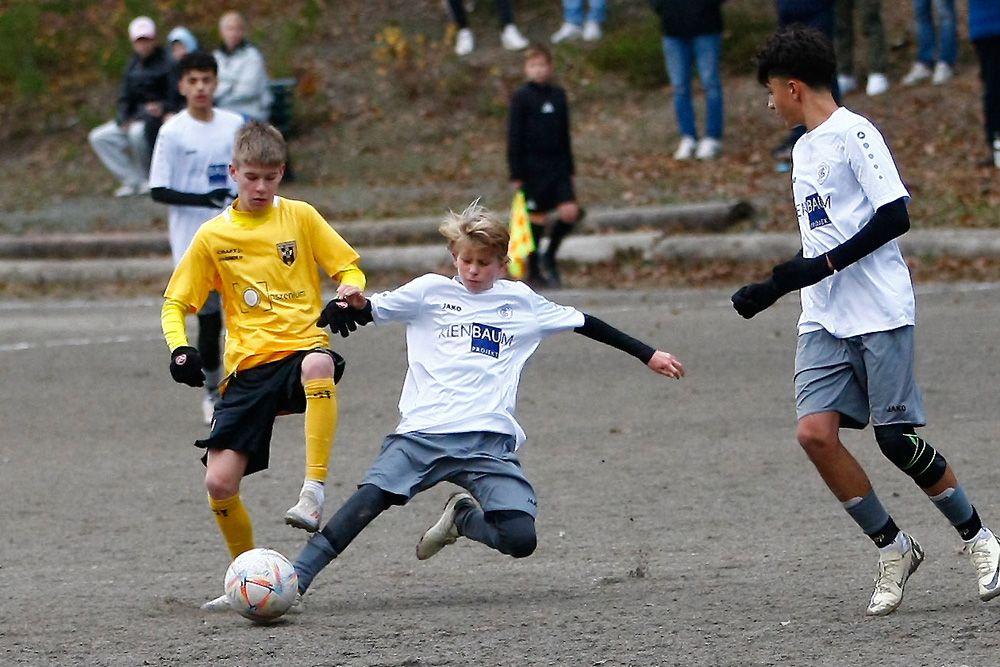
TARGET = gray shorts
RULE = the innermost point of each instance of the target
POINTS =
(863, 377)
(484, 464)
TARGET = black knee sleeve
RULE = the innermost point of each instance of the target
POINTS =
(209, 331)
(901, 445)
(515, 532)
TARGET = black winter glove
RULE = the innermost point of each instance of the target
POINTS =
(752, 299)
(185, 366)
(800, 272)
(342, 318)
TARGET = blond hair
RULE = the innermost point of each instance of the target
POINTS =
(476, 227)
(259, 144)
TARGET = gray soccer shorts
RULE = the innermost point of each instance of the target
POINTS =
(485, 464)
(862, 377)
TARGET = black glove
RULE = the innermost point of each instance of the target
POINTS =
(219, 198)
(343, 318)
(800, 272)
(752, 299)
(185, 366)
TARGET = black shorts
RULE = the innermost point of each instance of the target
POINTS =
(545, 193)
(244, 416)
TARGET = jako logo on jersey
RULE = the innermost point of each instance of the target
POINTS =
(287, 252)
(451, 306)
(815, 208)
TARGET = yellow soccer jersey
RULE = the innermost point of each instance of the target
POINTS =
(265, 267)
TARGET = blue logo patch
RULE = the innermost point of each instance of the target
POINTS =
(486, 339)
(218, 175)
(815, 208)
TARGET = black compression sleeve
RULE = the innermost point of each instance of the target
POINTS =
(889, 221)
(603, 332)
(175, 198)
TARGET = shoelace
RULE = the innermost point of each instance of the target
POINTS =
(981, 559)
(884, 582)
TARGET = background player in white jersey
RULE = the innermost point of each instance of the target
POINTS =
(190, 172)
(467, 340)
(855, 354)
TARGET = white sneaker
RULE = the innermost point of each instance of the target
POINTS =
(444, 532)
(218, 604)
(878, 84)
(208, 409)
(306, 514)
(686, 148)
(592, 31)
(512, 38)
(942, 73)
(846, 83)
(299, 606)
(917, 73)
(464, 44)
(894, 568)
(708, 149)
(125, 190)
(567, 32)
(985, 555)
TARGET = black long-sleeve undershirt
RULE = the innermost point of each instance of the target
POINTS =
(599, 330)
(889, 222)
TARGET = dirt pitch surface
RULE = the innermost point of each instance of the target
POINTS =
(679, 522)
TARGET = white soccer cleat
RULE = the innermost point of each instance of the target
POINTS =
(567, 32)
(512, 39)
(306, 514)
(592, 31)
(464, 42)
(686, 148)
(220, 603)
(208, 409)
(299, 606)
(444, 532)
(985, 555)
(894, 568)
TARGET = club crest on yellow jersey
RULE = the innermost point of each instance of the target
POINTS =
(287, 252)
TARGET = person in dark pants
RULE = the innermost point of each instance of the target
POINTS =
(540, 157)
(984, 31)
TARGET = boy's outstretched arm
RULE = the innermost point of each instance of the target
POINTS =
(889, 222)
(662, 362)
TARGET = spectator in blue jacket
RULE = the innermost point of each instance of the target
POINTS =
(984, 31)
(124, 144)
(692, 37)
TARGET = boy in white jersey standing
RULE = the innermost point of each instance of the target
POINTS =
(262, 254)
(467, 340)
(855, 354)
(190, 173)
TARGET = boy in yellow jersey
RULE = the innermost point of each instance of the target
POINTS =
(261, 255)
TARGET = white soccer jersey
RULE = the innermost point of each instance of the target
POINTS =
(842, 172)
(193, 156)
(465, 351)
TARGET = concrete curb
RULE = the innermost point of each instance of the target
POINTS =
(415, 259)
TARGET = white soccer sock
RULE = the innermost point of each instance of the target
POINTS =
(900, 544)
(317, 488)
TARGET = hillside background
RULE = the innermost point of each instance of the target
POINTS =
(392, 124)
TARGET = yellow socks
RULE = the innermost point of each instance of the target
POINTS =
(321, 425)
(234, 522)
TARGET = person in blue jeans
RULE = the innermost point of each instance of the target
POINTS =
(692, 37)
(937, 49)
(578, 24)
(984, 31)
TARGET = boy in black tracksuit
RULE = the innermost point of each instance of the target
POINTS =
(541, 159)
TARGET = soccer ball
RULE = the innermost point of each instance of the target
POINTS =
(261, 584)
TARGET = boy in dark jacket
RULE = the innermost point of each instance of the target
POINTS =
(541, 160)
(124, 144)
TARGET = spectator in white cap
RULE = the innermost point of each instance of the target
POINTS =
(124, 144)
(243, 80)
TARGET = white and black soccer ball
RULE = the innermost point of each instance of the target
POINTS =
(261, 585)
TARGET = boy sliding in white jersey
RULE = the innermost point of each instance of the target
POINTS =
(467, 340)
(261, 254)
(190, 172)
(855, 355)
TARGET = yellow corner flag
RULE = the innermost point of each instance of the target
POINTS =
(522, 242)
